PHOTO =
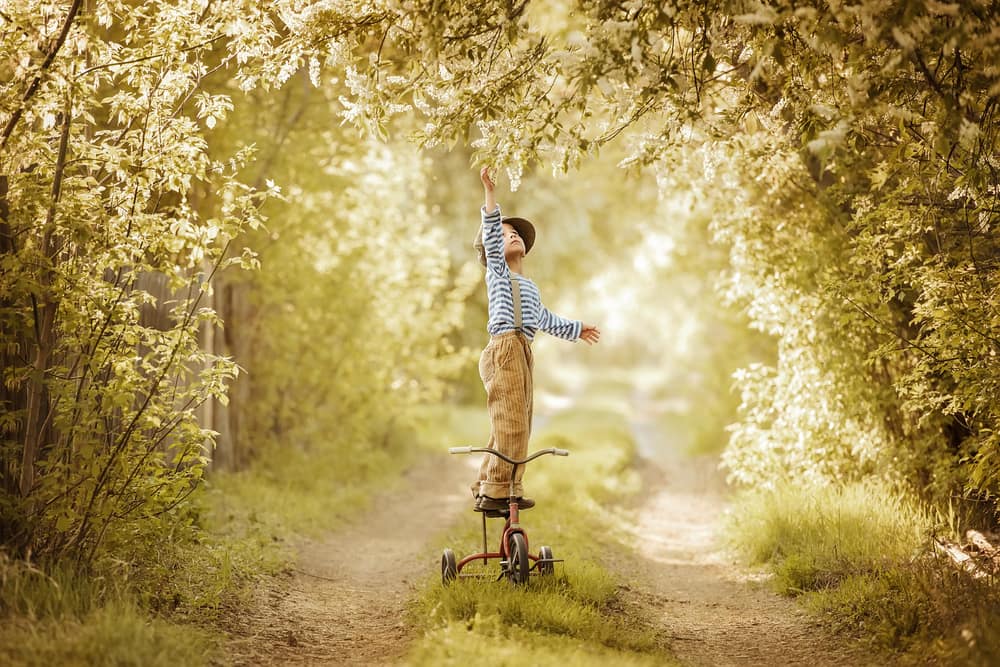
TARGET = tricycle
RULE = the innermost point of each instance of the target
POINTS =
(516, 562)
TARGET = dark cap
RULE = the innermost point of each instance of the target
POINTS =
(524, 228)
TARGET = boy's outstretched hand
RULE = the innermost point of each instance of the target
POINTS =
(590, 334)
(484, 176)
(490, 202)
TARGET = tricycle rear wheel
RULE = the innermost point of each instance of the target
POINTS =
(449, 567)
(549, 567)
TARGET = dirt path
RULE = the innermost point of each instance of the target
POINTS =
(345, 602)
(712, 611)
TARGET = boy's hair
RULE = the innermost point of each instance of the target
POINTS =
(524, 228)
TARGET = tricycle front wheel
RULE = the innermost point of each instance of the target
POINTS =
(517, 559)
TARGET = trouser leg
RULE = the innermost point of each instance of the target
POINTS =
(506, 369)
(486, 372)
(529, 405)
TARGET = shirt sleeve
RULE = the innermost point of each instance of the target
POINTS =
(493, 241)
(557, 326)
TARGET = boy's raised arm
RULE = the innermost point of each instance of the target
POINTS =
(490, 199)
(491, 232)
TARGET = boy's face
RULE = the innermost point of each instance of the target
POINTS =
(513, 244)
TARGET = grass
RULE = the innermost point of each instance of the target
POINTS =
(63, 618)
(441, 426)
(116, 633)
(573, 617)
(165, 598)
(492, 643)
(296, 492)
(859, 555)
(815, 537)
(166, 607)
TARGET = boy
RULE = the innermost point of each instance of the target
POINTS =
(515, 314)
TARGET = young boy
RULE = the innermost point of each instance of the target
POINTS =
(515, 314)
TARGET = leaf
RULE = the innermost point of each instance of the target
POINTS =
(708, 63)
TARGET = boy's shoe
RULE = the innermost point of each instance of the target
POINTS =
(487, 504)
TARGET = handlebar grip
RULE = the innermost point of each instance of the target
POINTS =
(460, 450)
(560, 452)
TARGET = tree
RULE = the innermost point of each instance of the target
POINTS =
(101, 144)
(857, 198)
(882, 119)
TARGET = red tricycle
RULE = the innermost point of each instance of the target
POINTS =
(515, 561)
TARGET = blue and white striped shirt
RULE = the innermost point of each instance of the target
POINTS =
(534, 315)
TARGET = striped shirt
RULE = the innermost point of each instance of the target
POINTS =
(534, 315)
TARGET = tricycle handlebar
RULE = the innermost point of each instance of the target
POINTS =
(487, 450)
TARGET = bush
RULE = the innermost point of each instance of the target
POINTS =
(815, 537)
(860, 555)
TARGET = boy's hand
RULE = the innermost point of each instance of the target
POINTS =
(490, 202)
(484, 176)
(590, 334)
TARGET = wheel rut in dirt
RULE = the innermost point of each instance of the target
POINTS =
(345, 602)
(694, 592)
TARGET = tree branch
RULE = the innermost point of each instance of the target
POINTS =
(150, 57)
(33, 88)
(889, 329)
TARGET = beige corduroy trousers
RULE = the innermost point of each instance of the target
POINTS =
(505, 367)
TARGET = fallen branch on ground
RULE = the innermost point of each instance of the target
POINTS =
(961, 559)
(982, 544)
(983, 563)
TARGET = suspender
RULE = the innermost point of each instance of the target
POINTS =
(515, 290)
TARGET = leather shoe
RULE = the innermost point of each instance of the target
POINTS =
(487, 504)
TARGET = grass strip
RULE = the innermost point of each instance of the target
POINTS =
(859, 555)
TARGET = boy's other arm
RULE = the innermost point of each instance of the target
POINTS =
(571, 330)
(557, 326)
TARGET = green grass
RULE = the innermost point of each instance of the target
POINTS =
(573, 617)
(62, 618)
(166, 607)
(860, 556)
(599, 468)
(297, 492)
(441, 426)
(116, 633)
(489, 642)
(815, 537)
(164, 598)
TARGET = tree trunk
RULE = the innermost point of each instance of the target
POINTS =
(12, 399)
(34, 419)
(234, 309)
(37, 419)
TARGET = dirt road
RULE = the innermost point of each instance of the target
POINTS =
(346, 600)
(713, 612)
